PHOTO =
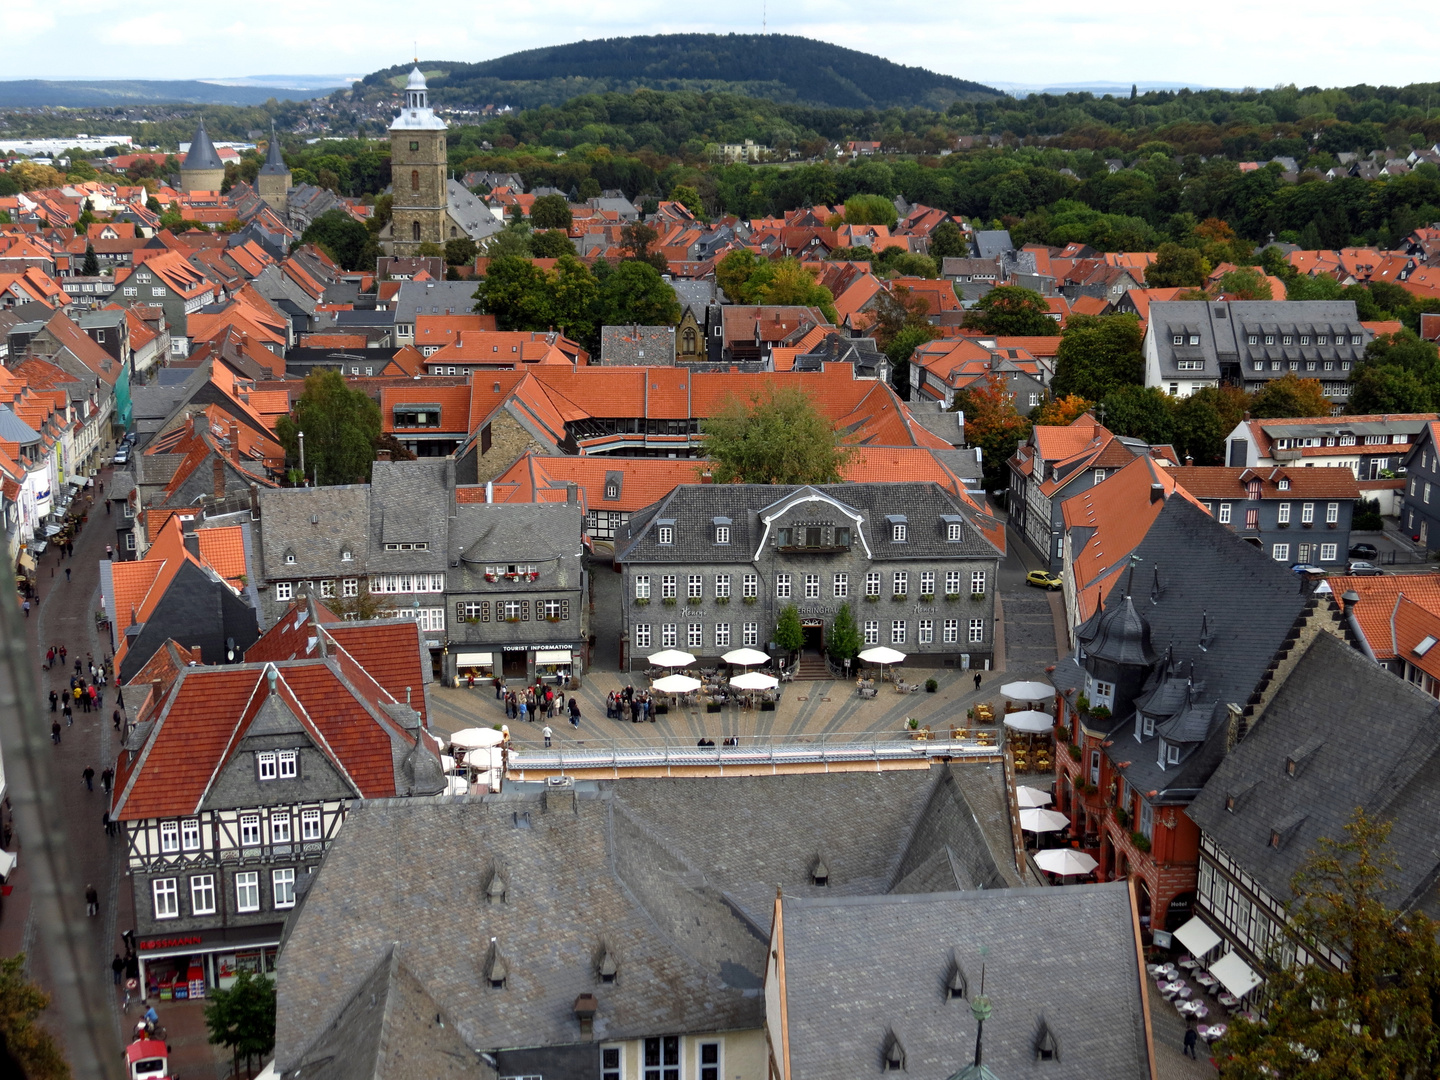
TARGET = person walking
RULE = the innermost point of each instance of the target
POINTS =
(105, 822)
(1190, 1039)
(92, 901)
(69, 715)
(55, 732)
(50, 658)
(575, 714)
(523, 706)
(547, 733)
(62, 655)
(107, 779)
(977, 680)
(54, 701)
(26, 606)
(89, 777)
(67, 573)
(115, 716)
(117, 966)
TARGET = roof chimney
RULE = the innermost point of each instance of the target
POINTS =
(489, 491)
(1157, 493)
(1189, 461)
(234, 441)
(572, 494)
(382, 455)
(219, 475)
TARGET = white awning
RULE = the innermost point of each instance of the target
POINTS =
(1235, 974)
(1197, 936)
(8, 859)
(472, 659)
(552, 656)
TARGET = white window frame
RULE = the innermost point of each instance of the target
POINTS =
(667, 587)
(927, 582)
(840, 584)
(872, 631)
(900, 583)
(1224, 515)
(750, 585)
(695, 635)
(953, 531)
(247, 891)
(642, 586)
(282, 887)
(951, 631)
(812, 586)
(751, 634)
(202, 894)
(190, 834)
(1307, 513)
(872, 583)
(288, 762)
(977, 631)
(642, 636)
(722, 635)
(350, 587)
(1280, 552)
(710, 1070)
(665, 534)
(898, 630)
(1329, 552)
(165, 895)
(669, 635)
(977, 582)
(925, 632)
(169, 837)
(327, 590)
(782, 586)
(280, 832)
(952, 582)
(1332, 513)
(284, 590)
(249, 830)
(722, 586)
(1284, 513)
(694, 586)
(310, 827)
(722, 534)
(898, 532)
(266, 767)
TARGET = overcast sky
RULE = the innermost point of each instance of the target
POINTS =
(1044, 42)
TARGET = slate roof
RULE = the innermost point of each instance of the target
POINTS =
(469, 213)
(202, 153)
(343, 514)
(274, 159)
(859, 968)
(647, 346)
(1364, 738)
(1224, 328)
(992, 243)
(434, 298)
(410, 504)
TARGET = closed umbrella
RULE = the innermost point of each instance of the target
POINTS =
(676, 684)
(754, 680)
(1029, 798)
(745, 657)
(1028, 691)
(1030, 722)
(1064, 862)
(1038, 821)
(671, 658)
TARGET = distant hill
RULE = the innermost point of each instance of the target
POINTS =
(98, 92)
(775, 66)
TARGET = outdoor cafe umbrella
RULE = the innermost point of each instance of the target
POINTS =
(1030, 722)
(1038, 821)
(476, 738)
(882, 655)
(745, 657)
(1029, 798)
(1028, 691)
(671, 658)
(754, 680)
(676, 684)
(1064, 862)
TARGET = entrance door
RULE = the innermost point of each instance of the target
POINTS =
(513, 664)
(814, 636)
(1302, 553)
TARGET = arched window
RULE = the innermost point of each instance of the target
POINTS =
(454, 231)
(415, 230)
(414, 179)
(689, 341)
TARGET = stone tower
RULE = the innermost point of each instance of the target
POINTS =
(273, 182)
(202, 169)
(417, 172)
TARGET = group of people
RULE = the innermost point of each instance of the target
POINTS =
(537, 702)
(728, 741)
(86, 694)
(629, 700)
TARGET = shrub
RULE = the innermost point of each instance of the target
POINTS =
(1140, 840)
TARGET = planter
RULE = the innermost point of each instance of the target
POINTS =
(750, 599)
(1074, 751)
(641, 601)
(1140, 840)
(669, 601)
(694, 601)
(898, 597)
(512, 618)
(951, 597)
(767, 706)
(722, 600)
(552, 618)
(977, 597)
(712, 706)
(1284, 524)
(872, 598)
(661, 709)
(931, 686)
(927, 598)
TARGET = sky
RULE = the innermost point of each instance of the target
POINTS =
(1226, 43)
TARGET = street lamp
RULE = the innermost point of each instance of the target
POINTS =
(301, 436)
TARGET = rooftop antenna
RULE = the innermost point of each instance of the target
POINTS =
(764, 15)
(981, 1010)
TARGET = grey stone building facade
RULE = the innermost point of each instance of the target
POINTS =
(710, 567)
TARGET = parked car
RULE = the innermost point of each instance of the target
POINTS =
(1306, 568)
(122, 455)
(1363, 569)
(1042, 579)
(1364, 551)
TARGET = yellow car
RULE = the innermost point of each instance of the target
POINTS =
(1042, 579)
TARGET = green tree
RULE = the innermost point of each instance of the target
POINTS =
(638, 239)
(902, 325)
(1140, 412)
(589, 188)
(734, 273)
(574, 296)
(635, 293)
(911, 264)
(993, 424)
(550, 212)
(688, 197)
(1245, 283)
(1177, 267)
(340, 426)
(789, 634)
(844, 641)
(1011, 311)
(1289, 396)
(778, 438)
(460, 251)
(1376, 388)
(514, 291)
(513, 240)
(243, 1018)
(947, 242)
(1204, 420)
(788, 282)
(341, 237)
(870, 210)
(1098, 353)
(1376, 1016)
(21, 1003)
(551, 244)
(91, 267)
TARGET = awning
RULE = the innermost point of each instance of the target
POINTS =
(52, 530)
(552, 656)
(1235, 974)
(473, 659)
(26, 562)
(1197, 936)
(8, 859)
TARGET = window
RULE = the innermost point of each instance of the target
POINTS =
(289, 559)
(722, 586)
(667, 586)
(898, 530)
(169, 837)
(899, 583)
(610, 1067)
(327, 590)
(694, 635)
(350, 587)
(1269, 339)
(872, 583)
(1322, 339)
(977, 581)
(284, 590)
(1147, 819)
(1284, 513)
(952, 583)
(1104, 692)
(1307, 513)
(247, 891)
(665, 534)
(1177, 339)
(722, 534)
(289, 762)
(642, 586)
(662, 1058)
(1425, 496)
(158, 290)
(722, 635)
(977, 630)
(872, 631)
(1287, 339)
(202, 894)
(1194, 339)
(1224, 514)
(695, 587)
(842, 585)
(925, 631)
(1280, 552)
(951, 631)
(668, 635)
(249, 830)
(1252, 519)
(897, 632)
(750, 585)
(952, 531)
(642, 636)
(1253, 339)
(1332, 513)
(167, 898)
(282, 882)
(280, 827)
(709, 1061)
(1329, 552)
(190, 834)
(1172, 753)
(927, 582)
(1354, 339)
(309, 824)
(265, 765)
(812, 586)
(552, 610)
(782, 586)
(1094, 766)
(751, 634)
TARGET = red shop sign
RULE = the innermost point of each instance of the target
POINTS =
(170, 942)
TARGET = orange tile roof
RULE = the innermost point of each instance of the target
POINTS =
(1381, 598)
(1222, 482)
(224, 549)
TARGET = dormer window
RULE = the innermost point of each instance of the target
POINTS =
(1304, 339)
(1253, 339)
(899, 528)
(1172, 754)
(722, 529)
(665, 532)
(1269, 339)
(1322, 339)
(265, 765)
(1194, 339)
(1177, 339)
(612, 491)
(347, 555)
(289, 558)
(1283, 485)
(1287, 339)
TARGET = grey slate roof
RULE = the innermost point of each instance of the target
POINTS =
(1224, 329)
(434, 298)
(1366, 738)
(201, 154)
(274, 159)
(992, 243)
(696, 294)
(410, 503)
(343, 518)
(470, 213)
(857, 968)
(644, 346)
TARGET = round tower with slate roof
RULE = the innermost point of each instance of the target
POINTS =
(273, 181)
(417, 172)
(1117, 656)
(202, 169)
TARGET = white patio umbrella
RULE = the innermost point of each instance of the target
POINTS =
(1030, 722)
(1029, 798)
(745, 657)
(1028, 691)
(475, 738)
(671, 658)
(1064, 862)
(676, 684)
(1038, 821)
(882, 655)
(754, 680)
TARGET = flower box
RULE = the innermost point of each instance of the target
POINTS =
(1140, 840)
(750, 599)
(872, 598)
(694, 601)
(722, 600)
(552, 618)
(898, 597)
(951, 597)
(669, 601)
(977, 597)
(927, 598)
(512, 618)
(641, 601)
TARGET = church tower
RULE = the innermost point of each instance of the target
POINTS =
(273, 181)
(202, 169)
(418, 165)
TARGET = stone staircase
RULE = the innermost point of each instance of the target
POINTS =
(812, 668)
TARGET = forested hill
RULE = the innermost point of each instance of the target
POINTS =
(776, 66)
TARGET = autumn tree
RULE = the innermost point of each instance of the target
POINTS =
(902, 325)
(993, 424)
(30, 1045)
(1011, 311)
(1289, 396)
(1098, 353)
(638, 239)
(778, 438)
(1060, 411)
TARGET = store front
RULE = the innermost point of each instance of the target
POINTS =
(188, 966)
(516, 664)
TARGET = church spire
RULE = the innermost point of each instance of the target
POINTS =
(274, 159)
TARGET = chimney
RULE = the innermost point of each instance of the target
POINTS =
(382, 455)
(489, 491)
(1189, 461)
(218, 464)
(190, 537)
(254, 501)
(572, 494)
(234, 441)
(1348, 599)
(1157, 493)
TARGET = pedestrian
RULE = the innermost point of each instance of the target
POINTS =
(54, 700)
(115, 716)
(50, 658)
(55, 732)
(92, 901)
(109, 551)
(470, 681)
(634, 710)
(89, 777)
(118, 967)
(77, 667)
(62, 655)
(69, 715)
(105, 821)
(67, 573)
(574, 713)
(499, 688)
(977, 680)
(1190, 1038)
(524, 711)
(107, 779)
(96, 702)
(26, 606)
(547, 733)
